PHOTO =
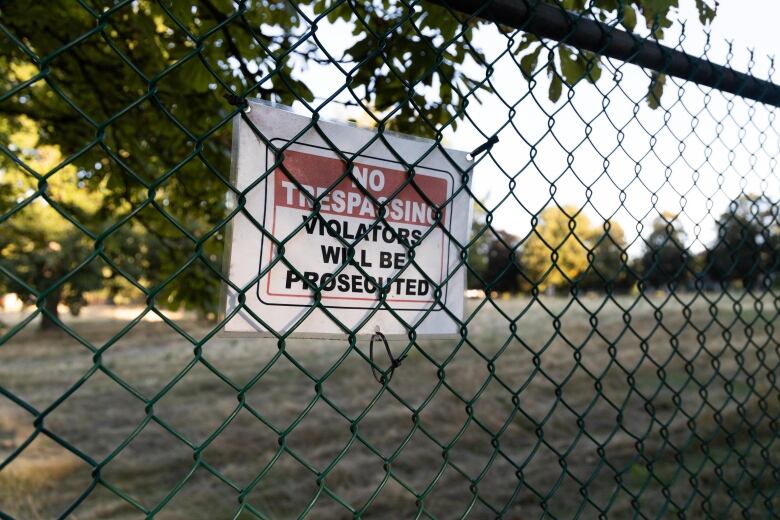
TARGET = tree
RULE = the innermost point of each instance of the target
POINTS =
(665, 262)
(45, 242)
(556, 253)
(478, 251)
(608, 266)
(503, 268)
(37, 244)
(137, 106)
(743, 248)
(492, 257)
(770, 216)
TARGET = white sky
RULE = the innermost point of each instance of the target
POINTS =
(715, 165)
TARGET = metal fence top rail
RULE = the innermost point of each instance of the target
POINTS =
(548, 21)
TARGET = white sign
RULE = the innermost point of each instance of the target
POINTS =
(378, 230)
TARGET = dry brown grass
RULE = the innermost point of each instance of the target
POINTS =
(542, 459)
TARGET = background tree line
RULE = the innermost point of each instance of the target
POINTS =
(564, 251)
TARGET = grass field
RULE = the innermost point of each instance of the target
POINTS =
(661, 411)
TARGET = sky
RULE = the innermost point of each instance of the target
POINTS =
(692, 160)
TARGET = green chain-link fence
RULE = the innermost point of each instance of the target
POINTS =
(617, 355)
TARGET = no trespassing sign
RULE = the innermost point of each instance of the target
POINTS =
(358, 226)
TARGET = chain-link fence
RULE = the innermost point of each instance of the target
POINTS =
(616, 356)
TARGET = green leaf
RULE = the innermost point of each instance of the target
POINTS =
(341, 12)
(444, 21)
(629, 18)
(581, 65)
(525, 42)
(319, 7)
(529, 61)
(706, 13)
(592, 64)
(571, 67)
(556, 87)
(658, 9)
(656, 90)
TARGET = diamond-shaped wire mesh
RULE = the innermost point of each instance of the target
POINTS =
(617, 355)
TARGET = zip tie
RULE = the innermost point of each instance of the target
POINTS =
(394, 362)
(484, 147)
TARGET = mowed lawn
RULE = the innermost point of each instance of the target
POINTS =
(550, 405)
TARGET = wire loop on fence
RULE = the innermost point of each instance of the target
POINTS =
(383, 376)
(237, 101)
